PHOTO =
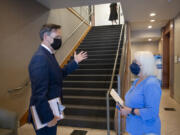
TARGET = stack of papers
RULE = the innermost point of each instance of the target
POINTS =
(56, 107)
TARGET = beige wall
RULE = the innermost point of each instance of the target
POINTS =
(144, 46)
(83, 11)
(69, 23)
(19, 25)
(177, 53)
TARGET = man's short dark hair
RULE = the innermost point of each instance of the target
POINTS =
(47, 28)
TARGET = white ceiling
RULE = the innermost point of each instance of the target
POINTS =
(144, 35)
(52, 4)
(135, 11)
(138, 10)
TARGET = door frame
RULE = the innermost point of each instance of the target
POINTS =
(168, 29)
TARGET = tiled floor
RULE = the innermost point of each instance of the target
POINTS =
(27, 130)
(170, 121)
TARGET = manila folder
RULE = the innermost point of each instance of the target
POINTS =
(116, 97)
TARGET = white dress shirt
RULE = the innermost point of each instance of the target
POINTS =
(47, 48)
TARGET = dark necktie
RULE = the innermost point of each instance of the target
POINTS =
(53, 55)
(54, 58)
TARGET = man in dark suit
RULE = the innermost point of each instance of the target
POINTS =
(46, 77)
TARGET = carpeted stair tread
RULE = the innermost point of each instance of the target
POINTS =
(88, 107)
(82, 118)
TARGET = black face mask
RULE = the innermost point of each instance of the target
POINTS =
(135, 69)
(56, 44)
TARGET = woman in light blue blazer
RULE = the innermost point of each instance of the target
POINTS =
(143, 99)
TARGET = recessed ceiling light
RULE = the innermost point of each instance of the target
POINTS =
(149, 39)
(171, 25)
(152, 14)
(149, 27)
(152, 20)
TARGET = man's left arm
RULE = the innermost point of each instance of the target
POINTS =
(69, 68)
(73, 65)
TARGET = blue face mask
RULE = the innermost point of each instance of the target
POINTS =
(135, 69)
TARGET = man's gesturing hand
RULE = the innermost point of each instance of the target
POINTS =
(80, 57)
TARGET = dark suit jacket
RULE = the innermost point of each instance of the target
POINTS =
(46, 81)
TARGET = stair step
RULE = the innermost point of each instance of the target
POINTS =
(104, 32)
(88, 77)
(103, 56)
(84, 92)
(109, 29)
(98, 51)
(91, 61)
(88, 107)
(100, 41)
(94, 48)
(101, 52)
(102, 44)
(94, 71)
(98, 66)
(89, 39)
(100, 36)
(82, 110)
(87, 100)
(89, 84)
(103, 35)
(100, 56)
(104, 29)
(85, 122)
(83, 46)
(107, 26)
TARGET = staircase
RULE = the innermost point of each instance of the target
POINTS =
(85, 89)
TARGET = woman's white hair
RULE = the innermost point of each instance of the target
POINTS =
(147, 61)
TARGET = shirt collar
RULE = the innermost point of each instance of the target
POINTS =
(47, 48)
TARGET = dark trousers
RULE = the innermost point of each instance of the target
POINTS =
(46, 130)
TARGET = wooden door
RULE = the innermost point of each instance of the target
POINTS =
(166, 60)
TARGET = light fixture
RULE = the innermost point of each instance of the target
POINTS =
(149, 27)
(152, 20)
(171, 25)
(152, 14)
(149, 39)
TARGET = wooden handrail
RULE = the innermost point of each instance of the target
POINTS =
(23, 120)
(77, 14)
